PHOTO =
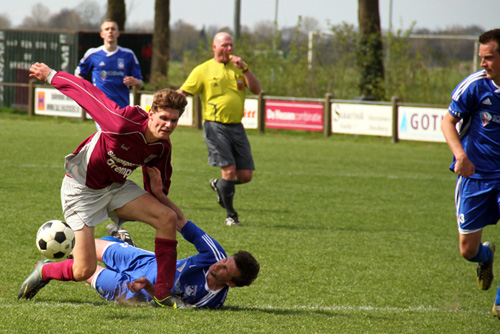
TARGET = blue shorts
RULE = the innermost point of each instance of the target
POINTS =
(477, 203)
(124, 264)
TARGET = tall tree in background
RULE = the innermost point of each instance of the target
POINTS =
(117, 12)
(161, 41)
(370, 50)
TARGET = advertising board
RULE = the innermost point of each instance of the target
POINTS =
(294, 115)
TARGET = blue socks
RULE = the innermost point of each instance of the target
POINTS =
(484, 255)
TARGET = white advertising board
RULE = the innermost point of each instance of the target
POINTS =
(419, 123)
(250, 114)
(49, 101)
(362, 119)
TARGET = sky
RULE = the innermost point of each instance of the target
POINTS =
(430, 14)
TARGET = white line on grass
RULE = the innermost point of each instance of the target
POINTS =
(419, 309)
(423, 309)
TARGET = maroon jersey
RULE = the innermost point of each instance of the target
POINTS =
(113, 153)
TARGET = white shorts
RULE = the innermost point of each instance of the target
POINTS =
(84, 206)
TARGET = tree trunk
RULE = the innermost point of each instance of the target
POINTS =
(370, 51)
(117, 12)
(161, 41)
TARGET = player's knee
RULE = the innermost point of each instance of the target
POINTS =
(245, 177)
(468, 252)
(81, 273)
(166, 219)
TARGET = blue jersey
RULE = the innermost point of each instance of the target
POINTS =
(108, 70)
(476, 101)
(126, 263)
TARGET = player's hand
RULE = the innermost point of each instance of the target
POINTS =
(138, 284)
(130, 81)
(155, 180)
(464, 167)
(39, 71)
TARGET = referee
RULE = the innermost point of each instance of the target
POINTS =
(221, 83)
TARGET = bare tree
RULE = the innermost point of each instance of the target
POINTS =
(65, 19)
(91, 14)
(263, 31)
(117, 12)
(370, 50)
(39, 17)
(161, 42)
(4, 21)
(184, 37)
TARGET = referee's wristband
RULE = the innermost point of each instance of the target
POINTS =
(245, 69)
(50, 76)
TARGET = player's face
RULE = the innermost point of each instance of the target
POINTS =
(223, 48)
(490, 60)
(161, 124)
(109, 32)
(224, 271)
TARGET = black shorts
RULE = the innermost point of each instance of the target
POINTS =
(227, 145)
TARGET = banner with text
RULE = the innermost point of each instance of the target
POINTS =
(250, 114)
(294, 115)
(50, 101)
(419, 123)
(362, 119)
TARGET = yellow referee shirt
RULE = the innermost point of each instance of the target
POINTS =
(221, 88)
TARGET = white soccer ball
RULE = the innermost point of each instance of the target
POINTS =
(55, 239)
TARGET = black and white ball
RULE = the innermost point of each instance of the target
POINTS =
(55, 239)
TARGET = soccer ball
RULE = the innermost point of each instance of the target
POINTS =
(55, 239)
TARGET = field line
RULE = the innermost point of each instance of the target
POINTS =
(421, 309)
(347, 308)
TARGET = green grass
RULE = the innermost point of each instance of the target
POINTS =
(354, 235)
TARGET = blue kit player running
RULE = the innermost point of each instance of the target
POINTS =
(202, 280)
(114, 68)
(476, 150)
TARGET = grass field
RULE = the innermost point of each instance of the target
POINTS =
(354, 235)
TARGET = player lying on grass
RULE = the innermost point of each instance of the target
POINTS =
(96, 187)
(202, 280)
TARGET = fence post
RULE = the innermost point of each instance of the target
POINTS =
(261, 112)
(135, 96)
(395, 119)
(31, 97)
(327, 116)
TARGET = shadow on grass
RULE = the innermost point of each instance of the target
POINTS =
(284, 311)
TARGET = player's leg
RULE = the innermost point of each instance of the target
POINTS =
(227, 189)
(469, 244)
(476, 208)
(81, 267)
(98, 269)
(496, 305)
(148, 209)
(100, 247)
(84, 261)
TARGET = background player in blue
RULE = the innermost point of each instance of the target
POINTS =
(476, 151)
(202, 280)
(114, 68)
